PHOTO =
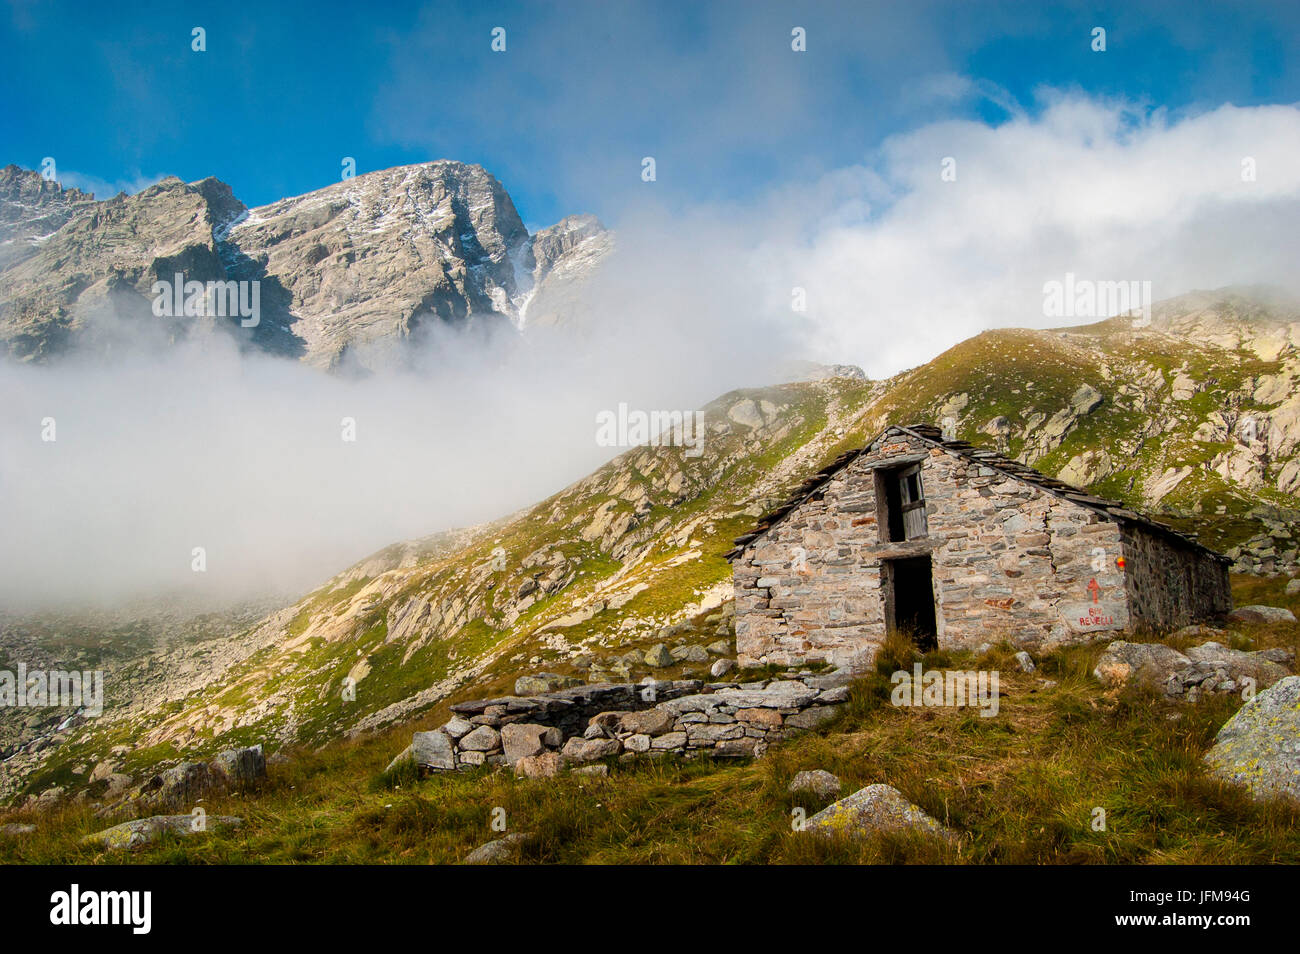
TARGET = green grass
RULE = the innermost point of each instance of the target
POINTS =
(1022, 787)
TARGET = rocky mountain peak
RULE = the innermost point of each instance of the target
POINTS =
(348, 273)
(32, 208)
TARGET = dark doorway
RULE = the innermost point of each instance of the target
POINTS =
(910, 600)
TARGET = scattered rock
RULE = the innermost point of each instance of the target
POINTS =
(871, 810)
(241, 766)
(721, 668)
(15, 830)
(180, 784)
(1237, 664)
(1025, 661)
(1279, 655)
(1261, 614)
(1150, 663)
(599, 770)
(1292, 587)
(690, 654)
(658, 656)
(498, 852)
(143, 831)
(721, 647)
(1208, 668)
(429, 751)
(818, 781)
(1259, 747)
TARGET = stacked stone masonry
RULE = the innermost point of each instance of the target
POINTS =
(1009, 559)
(585, 724)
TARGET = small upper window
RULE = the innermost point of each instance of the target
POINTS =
(904, 504)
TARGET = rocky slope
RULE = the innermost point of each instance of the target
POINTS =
(354, 271)
(588, 580)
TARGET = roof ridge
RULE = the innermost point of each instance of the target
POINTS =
(1111, 509)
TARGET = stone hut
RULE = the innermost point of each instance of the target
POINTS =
(957, 546)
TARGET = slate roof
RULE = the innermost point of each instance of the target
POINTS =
(933, 436)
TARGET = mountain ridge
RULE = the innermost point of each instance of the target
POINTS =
(353, 270)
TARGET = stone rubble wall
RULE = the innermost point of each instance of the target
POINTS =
(540, 734)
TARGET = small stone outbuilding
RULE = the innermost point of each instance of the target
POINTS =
(957, 546)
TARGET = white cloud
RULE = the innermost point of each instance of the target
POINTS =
(1103, 190)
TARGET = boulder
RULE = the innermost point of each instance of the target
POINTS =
(498, 852)
(241, 766)
(118, 785)
(143, 831)
(1259, 747)
(429, 751)
(721, 668)
(1261, 614)
(182, 783)
(1237, 664)
(1277, 654)
(872, 810)
(16, 830)
(818, 781)
(720, 647)
(658, 656)
(1148, 663)
(599, 770)
(1292, 587)
(1025, 661)
(690, 654)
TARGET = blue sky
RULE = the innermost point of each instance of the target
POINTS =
(583, 91)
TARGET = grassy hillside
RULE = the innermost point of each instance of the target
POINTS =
(632, 555)
(1019, 788)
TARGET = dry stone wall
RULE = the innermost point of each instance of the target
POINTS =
(540, 734)
(1172, 586)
